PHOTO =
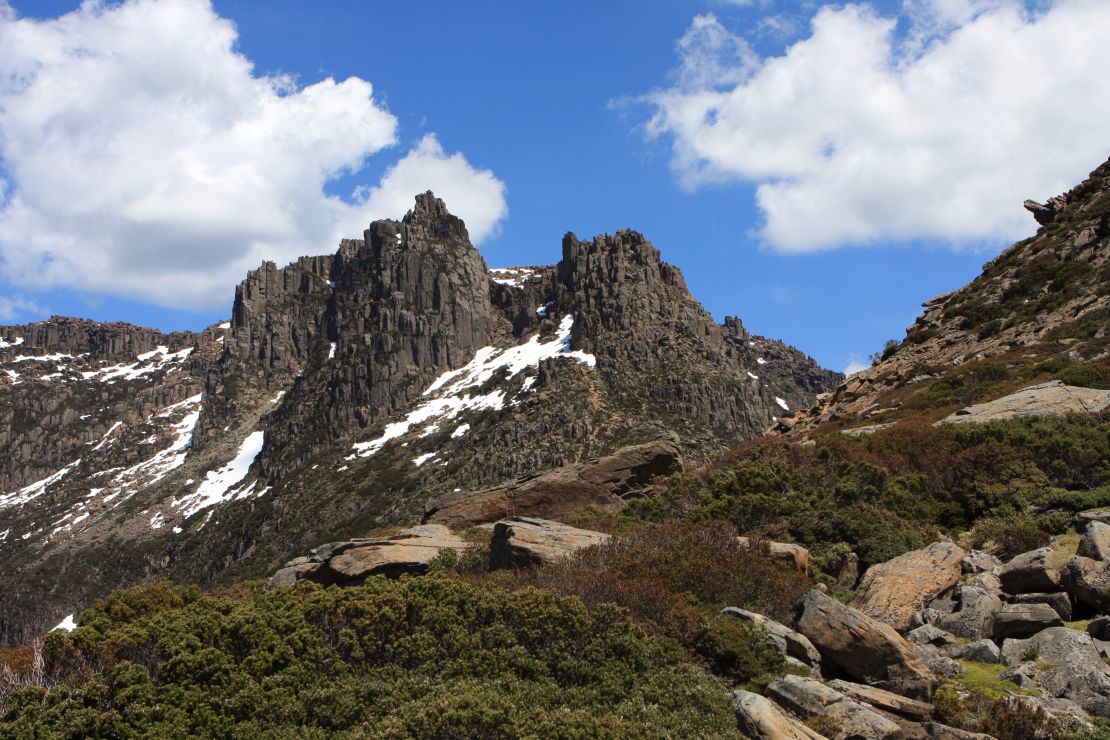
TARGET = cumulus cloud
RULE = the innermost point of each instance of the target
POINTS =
(142, 155)
(477, 196)
(855, 365)
(16, 305)
(861, 133)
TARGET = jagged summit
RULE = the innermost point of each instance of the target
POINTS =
(346, 391)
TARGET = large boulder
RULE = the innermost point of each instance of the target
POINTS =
(1088, 582)
(917, 711)
(1095, 543)
(1024, 620)
(793, 555)
(1031, 572)
(1060, 602)
(806, 697)
(353, 561)
(980, 651)
(761, 719)
(785, 640)
(1046, 399)
(1068, 665)
(975, 617)
(862, 647)
(599, 483)
(894, 590)
(523, 541)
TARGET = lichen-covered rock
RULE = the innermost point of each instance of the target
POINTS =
(894, 590)
(1059, 601)
(522, 541)
(1024, 620)
(1068, 665)
(1087, 581)
(918, 711)
(862, 647)
(974, 619)
(809, 698)
(980, 651)
(1095, 543)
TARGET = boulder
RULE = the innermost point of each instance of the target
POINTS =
(1058, 601)
(1088, 582)
(761, 719)
(1096, 541)
(600, 483)
(940, 664)
(793, 555)
(1023, 675)
(809, 698)
(978, 561)
(975, 617)
(1084, 518)
(353, 561)
(785, 640)
(1024, 620)
(980, 651)
(918, 711)
(1068, 665)
(1046, 399)
(847, 575)
(894, 590)
(1099, 628)
(1029, 573)
(929, 635)
(522, 541)
(862, 647)
(937, 731)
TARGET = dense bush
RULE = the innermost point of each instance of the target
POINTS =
(897, 489)
(425, 658)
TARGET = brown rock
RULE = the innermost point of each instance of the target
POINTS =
(894, 590)
(1047, 399)
(916, 710)
(863, 647)
(809, 698)
(562, 491)
(523, 541)
(760, 719)
(789, 553)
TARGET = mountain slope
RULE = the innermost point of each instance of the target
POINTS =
(345, 392)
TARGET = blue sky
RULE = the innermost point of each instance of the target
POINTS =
(820, 192)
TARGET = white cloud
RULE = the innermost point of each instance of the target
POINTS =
(858, 134)
(855, 365)
(474, 195)
(12, 306)
(144, 157)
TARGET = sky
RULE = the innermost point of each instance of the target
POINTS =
(817, 169)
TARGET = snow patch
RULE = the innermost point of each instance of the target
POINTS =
(225, 325)
(14, 343)
(36, 489)
(761, 361)
(514, 277)
(145, 366)
(104, 439)
(42, 358)
(782, 403)
(331, 352)
(460, 430)
(217, 483)
(424, 458)
(449, 392)
(66, 625)
(752, 375)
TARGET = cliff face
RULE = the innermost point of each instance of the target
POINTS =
(344, 393)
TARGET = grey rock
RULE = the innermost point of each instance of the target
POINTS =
(1046, 399)
(885, 700)
(1024, 620)
(522, 541)
(1088, 582)
(1022, 674)
(1030, 573)
(980, 651)
(929, 635)
(975, 617)
(978, 561)
(809, 698)
(1068, 665)
(1095, 543)
(1059, 601)
(1099, 628)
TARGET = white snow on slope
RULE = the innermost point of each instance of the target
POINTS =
(761, 361)
(162, 463)
(460, 431)
(448, 393)
(331, 351)
(36, 489)
(66, 625)
(514, 277)
(424, 458)
(752, 375)
(144, 365)
(107, 434)
(217, 483)
(42, 358)
(225, 325)
(14, 343)
(782, 403)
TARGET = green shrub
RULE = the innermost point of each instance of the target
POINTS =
(431, 657)
(737, 650)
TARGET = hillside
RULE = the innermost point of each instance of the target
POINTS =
(344, 392)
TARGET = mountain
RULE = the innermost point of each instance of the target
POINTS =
(1039, 312)
(346, 392)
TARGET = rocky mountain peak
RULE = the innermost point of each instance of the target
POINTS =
(430, 221)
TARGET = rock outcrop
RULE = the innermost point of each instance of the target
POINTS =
(761, 719)
(1047, 399)
(601, 483)
(523, 541)
(1068, 665)
(892, 591)
(1030, 572)
(808, 698)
